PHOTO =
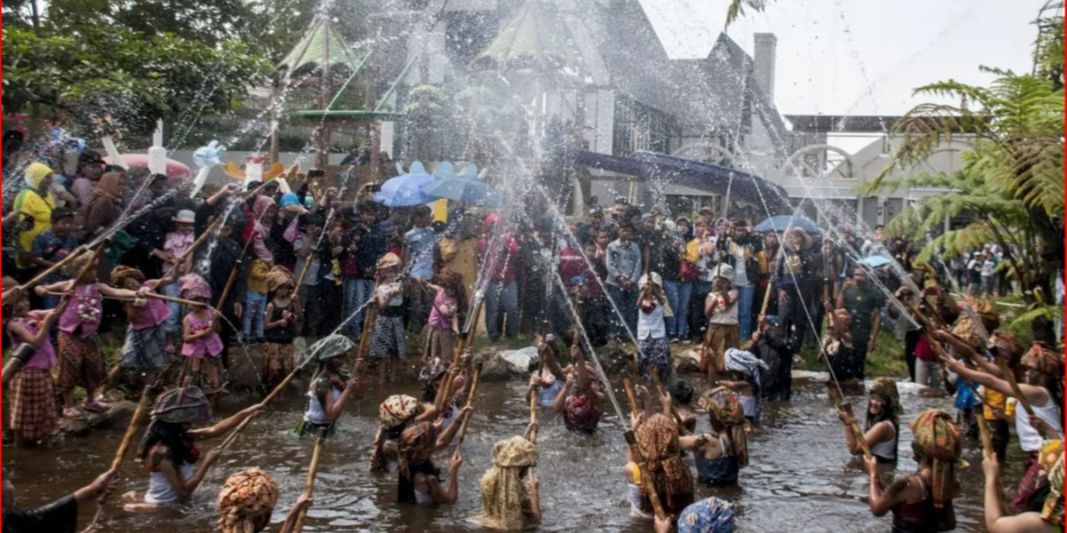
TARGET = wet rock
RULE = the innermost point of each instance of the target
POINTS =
(117, 414)
(687, 361)
(494, 368)
(245, 371)
(616, 358)
(520, 362)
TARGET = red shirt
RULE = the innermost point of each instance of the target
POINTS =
(502, 256)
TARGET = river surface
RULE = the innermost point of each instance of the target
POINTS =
(800, 478)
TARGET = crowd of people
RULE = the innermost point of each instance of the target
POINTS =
(179, 281)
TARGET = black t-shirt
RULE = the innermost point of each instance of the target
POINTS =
(60, 516)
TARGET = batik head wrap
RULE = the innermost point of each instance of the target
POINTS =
(397, 410)
(724, 408)
(937, 438)
(502, 488)
(657, 437)
(1052, 462)
(710, 515)
(246, 501)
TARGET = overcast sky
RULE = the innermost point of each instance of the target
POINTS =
(860, 56)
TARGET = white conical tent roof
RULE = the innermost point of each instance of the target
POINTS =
(319, 46)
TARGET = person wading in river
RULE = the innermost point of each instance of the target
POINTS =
(922, 502)
(395, 414)
(883, 419)
(582, 396)
(419, 480)
(1043, 390)
(168, 448)
(657, 437)
(60, 516)
(721, 454)
(509, 489)
(327, 395)
(1044, 514)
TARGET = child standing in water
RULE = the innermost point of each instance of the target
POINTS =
(279, 326)
(651, 329)
(387, 342)
(720, 308)
(202, 345)
(80, 362)
(34, 415)
(144, 351)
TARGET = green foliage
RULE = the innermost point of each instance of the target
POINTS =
(1011, 185)
(737, 9)
(94, 75)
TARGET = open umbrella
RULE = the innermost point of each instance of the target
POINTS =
(175, 169)
(467, 188)
(783, 222)
(406, 190)
(875, 261)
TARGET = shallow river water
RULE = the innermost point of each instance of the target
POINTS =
(800, 477)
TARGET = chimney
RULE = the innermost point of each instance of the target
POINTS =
(763, 60)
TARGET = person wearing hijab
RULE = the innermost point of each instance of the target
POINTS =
(105, 207)
(201, 347)
(922, 501)
(175, 467)
(263, 211)
(510, 489)
(35, 202)
(880, 430)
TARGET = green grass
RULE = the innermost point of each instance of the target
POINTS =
(886, 361)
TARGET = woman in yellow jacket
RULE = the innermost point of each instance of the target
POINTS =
(36, 202)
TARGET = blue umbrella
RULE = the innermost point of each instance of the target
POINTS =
(405, 191)
(469, 191)
(875, 261)
(783, 222)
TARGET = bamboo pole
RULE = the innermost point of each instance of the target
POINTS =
(309, 483)
(45, 273)
(470, 403)
(853, 425)
(658, 382)
(120, 453)
(639, 458)
(368, 319)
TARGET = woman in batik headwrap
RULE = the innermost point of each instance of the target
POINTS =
(719, 455)
(420, 481)
(509, 489)
(175, 467)
(883, 418)
(923, 501)
(246, 501)
(1043, 515)
(1042, 388)
(582, 396)
(395, 414)
(657, 438)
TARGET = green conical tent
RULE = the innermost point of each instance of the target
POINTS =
(536, 39)
(320, 45)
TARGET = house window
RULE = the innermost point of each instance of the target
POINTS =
(640, 127)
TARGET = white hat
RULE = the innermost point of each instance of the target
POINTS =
(185, 216)
(723, 270)
(656, 280)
